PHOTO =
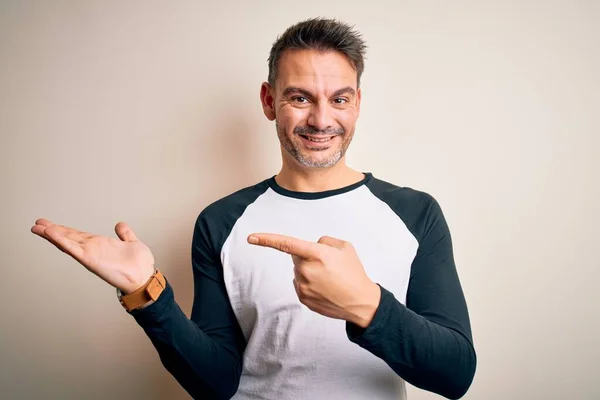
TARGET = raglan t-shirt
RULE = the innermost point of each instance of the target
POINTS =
(250, 337)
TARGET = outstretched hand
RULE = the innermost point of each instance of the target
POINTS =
(328, 276)
(125, 263)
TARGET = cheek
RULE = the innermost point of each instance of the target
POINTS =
(291, 117)
(347, 120)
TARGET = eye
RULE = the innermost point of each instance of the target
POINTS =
(340, 100)
(300, 99)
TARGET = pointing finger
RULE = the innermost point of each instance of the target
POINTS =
(286, 244)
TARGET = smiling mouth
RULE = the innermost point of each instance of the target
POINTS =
(317, 139)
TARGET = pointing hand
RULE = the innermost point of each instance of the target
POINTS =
(328, 277)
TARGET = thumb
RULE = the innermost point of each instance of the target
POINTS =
(333, 242)
(125, 233)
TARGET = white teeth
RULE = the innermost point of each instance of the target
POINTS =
(317, 140)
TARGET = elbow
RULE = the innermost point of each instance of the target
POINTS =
(219, 386)
(220, 391)
(461, 379)
(220, 394)
(224, 392)
(450, 378)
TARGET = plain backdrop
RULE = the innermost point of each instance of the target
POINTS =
(147, 111)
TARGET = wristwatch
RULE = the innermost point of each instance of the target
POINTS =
(150, 291)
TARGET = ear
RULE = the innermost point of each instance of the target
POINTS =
(267, 100)
(358, 97)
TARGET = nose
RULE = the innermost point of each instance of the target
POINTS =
(320, 117)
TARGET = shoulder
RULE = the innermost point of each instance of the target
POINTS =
(417, 209)
(215, 221)
(233, 203)
(401, 198)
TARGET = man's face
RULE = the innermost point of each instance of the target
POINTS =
(315, 104)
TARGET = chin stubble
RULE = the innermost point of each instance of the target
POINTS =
(295, 151)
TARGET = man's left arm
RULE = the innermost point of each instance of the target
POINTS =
(428, 342)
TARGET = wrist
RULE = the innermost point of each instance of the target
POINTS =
(138, 281)
(145, 305)
(145, 294)
(363, 313)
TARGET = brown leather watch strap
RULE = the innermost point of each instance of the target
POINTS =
(148, 292)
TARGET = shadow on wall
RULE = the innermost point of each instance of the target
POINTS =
(228, 164)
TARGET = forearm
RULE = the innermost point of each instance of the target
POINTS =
(204, 367)
(424, 353)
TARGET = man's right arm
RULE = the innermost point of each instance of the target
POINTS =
(203, 353)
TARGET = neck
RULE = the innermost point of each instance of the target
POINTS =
(301, 179)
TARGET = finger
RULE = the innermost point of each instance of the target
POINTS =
(63, 242)
(71, 233)
(47, 224)
(299, 276)
(297, 261)
(302, 290)
(296, 288)
(38, 230)
(333, 242)
(40, 226)
(286, 244)
(44, 222)
(76, 236)
(125, 233)
(41, 232)
(67, 240)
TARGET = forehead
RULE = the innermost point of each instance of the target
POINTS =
(316, 70)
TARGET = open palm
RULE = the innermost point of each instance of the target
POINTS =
(125, 263)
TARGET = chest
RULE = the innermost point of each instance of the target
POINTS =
(259, 280)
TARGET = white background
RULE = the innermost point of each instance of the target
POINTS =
(146, 111)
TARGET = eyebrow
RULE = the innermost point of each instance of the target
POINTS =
(292, 89)
(345, 90)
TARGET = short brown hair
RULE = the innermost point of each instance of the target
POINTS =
(320, 34)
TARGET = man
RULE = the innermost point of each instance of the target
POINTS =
(321, 282)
